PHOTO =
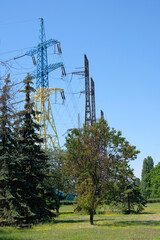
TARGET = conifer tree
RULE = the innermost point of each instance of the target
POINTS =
(8, 197)
(33, 163)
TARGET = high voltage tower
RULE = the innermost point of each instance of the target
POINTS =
(93, 102)
(90, 108)
(87, 92)
(42, 94)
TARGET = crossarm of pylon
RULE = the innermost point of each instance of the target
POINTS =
(47, 43)
(52, 67)
(49, 69)
(44, 93)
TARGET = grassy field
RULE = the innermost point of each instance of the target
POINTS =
(108, 226)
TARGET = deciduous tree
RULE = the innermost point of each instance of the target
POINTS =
(97, 157)
(147, 167)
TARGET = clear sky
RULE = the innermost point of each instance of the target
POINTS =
(122, 41)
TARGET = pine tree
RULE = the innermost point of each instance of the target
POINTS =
(33, 163)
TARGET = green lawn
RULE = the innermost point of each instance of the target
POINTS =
(70, 226)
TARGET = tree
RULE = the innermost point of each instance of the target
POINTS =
(152, 181)
(9, 200)
(60, 178)
(33, 163)
(147, 167)
(127, 195)
(97, 157)
(137, 182)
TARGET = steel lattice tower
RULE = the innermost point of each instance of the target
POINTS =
(43, 92)
(42, 61)
(87, 92)
(93, 102)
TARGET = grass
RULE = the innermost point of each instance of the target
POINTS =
(108, 225)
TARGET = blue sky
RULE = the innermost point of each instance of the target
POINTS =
(122, 42)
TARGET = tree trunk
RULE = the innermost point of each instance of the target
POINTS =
(129, 205)
(57, 202)
(91, 218)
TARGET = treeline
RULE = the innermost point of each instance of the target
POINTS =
(150, 181)
(95, 166)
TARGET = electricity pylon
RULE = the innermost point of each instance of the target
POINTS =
(93, 112)
(87, 92)
(42, 94)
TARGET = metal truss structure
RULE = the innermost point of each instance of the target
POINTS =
(93, 120)
(42, 95)
(87, 92)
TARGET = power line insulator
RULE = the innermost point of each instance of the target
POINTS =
(34, 60)
(59, 48)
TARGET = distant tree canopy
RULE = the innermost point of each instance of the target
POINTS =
(147, 167)
(152, 181)
(98, 158)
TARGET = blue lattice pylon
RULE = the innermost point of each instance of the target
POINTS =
(43, 69)
(43, 92)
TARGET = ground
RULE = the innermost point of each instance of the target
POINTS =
(108, 225)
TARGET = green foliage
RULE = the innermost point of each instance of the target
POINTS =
(153, 200)
(32, 164)
(98, 157)
(68, 202)
(60, 178)
(9, 201)
(129, 198)
(137, 182)
(147, 167)
(152, 181)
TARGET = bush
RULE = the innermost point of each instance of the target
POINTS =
(154, 200)
(68, 202)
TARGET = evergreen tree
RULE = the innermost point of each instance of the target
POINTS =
(33, 163)
(8, 198)
(147, 167)
(127, 195)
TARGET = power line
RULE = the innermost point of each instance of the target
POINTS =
(16, 50)
(18, 22)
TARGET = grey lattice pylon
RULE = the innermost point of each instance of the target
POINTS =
(93, 102)
(87, 92)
